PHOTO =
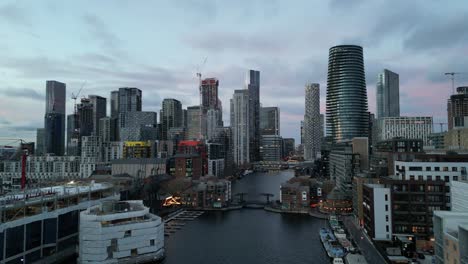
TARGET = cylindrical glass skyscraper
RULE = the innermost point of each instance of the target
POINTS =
(347, 115)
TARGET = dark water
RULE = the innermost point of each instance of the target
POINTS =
(249, 235)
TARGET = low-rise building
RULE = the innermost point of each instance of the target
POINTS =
(411, 127)
(294, 195)
(139, 168)
(120, 232)
(208, 192)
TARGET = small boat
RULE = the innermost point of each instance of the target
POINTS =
(331, 244)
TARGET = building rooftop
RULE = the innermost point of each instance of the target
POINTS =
(115, 207)
(68, 189)
(139, 161)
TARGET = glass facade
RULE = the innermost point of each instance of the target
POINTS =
(347, 115)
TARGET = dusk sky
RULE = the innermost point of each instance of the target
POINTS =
(157, 45)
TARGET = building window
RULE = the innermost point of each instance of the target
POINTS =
(386, 197)
(387, 228)
(411, 177)
(420, 178)
(455, 178)
(134, 252)
(152, 242)
(428, 168)
(386, 218)
(454, 168)
(447, 179)
(386, 208)
(436, 168)
(128, 233)
(437, 178)
(429, 177)
(445, 169)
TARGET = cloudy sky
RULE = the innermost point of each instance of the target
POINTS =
(158, 45)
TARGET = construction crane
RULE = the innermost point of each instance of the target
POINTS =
(199, 76)
(452, 77)
(75, 96)
(441, 125)
(24, 155)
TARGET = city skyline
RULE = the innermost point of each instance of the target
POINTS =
(164, 65)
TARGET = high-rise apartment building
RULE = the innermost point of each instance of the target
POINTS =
(40, 141)
(54, 121)
(388, 94)
(312, 132)
(252, 84)
(457, 108)
(129, 100)
(114, 104)
(99, 110)
(139, 126)
(171, 115)
(347, 115)
(213, 117)
(240, 125)
(108, 129)
(270, 121)
(209, 93)
(193, 122)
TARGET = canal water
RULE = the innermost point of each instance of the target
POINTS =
(249, 235)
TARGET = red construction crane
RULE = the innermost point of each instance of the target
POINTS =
(24, 155)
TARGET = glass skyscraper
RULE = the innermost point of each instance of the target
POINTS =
(388, 94)
(54, 120)
(347, 115)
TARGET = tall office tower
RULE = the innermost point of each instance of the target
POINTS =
(73, 135)
(209, 93)
(40, 141)
(457, 108)
(171, 115)
(347, 115)
(193, 123)
(388, 94)
(269, 121)
(184, 116)
(252, 84)
(99, 110)
(302, 132)
(213, 117)
(54, 121)
(85, 117)
(114, 104)
(240, 125)
(129, 101)
(312, 132)
(288, 147)
(108, 129)
(322, 125)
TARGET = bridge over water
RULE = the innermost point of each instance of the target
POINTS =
(253, 200)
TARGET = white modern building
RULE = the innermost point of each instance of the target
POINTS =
(451, 227)
(240, 125)
(377, 208)
(47, 231)
(409, 127)
(120, 232)
(90, 153)
(313, 126)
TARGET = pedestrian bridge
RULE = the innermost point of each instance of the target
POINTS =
(252, 203)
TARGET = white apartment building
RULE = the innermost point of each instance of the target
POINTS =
(240, 125)
(451, 228)
(120, 232)
(410, 127)
(377, 206)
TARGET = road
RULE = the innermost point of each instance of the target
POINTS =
(366, 246)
